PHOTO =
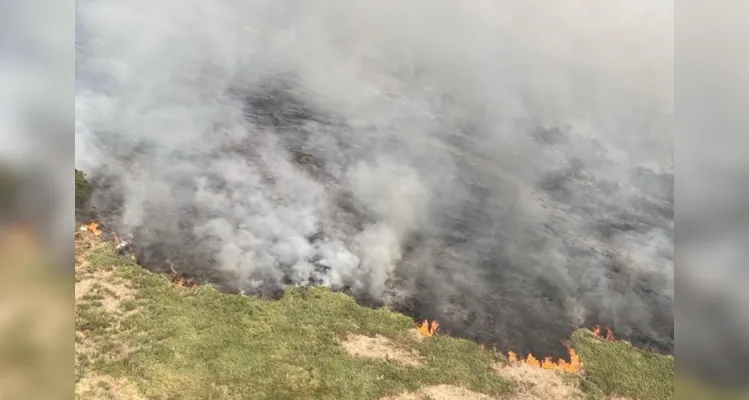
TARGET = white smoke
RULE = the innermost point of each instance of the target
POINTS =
(415, 93)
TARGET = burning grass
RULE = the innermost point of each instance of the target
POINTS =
(92, 227)
(561, 365)
(574, 365)
(426, 329)
(540, 384)
(170, 338)
(198, 343)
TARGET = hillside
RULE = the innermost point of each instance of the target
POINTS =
(143, 335)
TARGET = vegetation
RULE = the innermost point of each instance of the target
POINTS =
(139, 335)
(83, 190)
(620, 368)
(197, 343)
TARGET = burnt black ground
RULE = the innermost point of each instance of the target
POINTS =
(474, 268)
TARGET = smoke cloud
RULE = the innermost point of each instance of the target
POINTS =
(503, 166)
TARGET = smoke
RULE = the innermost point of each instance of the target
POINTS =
(505, 167)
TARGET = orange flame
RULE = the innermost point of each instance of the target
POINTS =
(92, 227)
(609, 337)
(426, 330)
(179, 280)
(183, 282)
(574, 365)
(530, 360)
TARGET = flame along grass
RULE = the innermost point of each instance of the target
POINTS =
(176, 278)
(180, 280)
(93, 227)
(609, 335)
(200, 344)
(427, 330)
(574, 365)
(562, 365)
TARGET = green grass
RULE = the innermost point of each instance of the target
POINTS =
(83, 189)
(202, 344)
(198, 343)
(621, 369)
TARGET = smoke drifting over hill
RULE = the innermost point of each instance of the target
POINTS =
(502, 166)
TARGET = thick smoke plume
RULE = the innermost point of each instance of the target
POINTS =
(502, 166)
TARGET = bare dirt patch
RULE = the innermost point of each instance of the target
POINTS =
(379, 347)
(441, 392)
(117, 292)
(113, 292)
(82, 287)
(538, 384)
(99, 289)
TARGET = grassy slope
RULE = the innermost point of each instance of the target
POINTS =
(618, 367)
(163, 341)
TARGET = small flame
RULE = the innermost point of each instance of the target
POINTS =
(530, 360)
(574, 365)
(426, 330)
(92, 227)
(178, 279)
(609, 336)
(183, 282)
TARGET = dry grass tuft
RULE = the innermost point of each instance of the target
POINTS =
(378, 347)
(440, 392)
(103, 302)
(97, 386)
(538, 384)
